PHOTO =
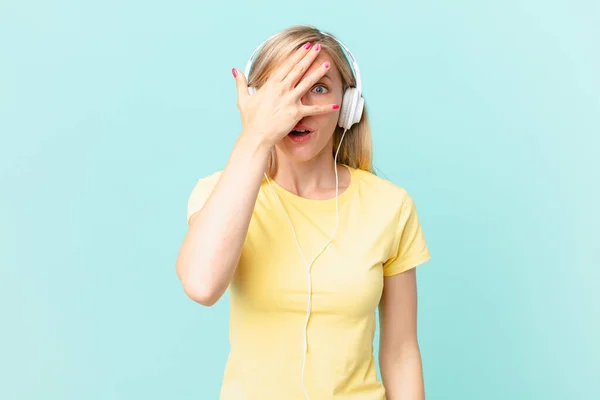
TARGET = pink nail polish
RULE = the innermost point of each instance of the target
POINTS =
(326, 64)
(307, 45)
(336, 106)
(234, 72)
(317, 47)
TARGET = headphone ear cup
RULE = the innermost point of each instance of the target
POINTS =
(352, 107)
(346, 109)
(358, 109)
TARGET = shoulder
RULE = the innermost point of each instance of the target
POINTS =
(210, 180)
(201, 191)
(205, 184)
(381, 191)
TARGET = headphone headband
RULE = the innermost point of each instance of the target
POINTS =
(356, 71)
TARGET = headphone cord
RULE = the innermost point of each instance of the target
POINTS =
(308, 266)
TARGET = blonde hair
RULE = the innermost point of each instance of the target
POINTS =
(357, 148)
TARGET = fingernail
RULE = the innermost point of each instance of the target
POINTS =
(336, 106)
(307, 45)
(326, 64)
(234, 72)
(317, 47)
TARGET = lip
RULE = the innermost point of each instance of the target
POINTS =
(303, 127)
(300, 139)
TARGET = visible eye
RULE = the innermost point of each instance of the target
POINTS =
(323, 87)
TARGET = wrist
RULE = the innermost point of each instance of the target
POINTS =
(257, 140)
(254, 146)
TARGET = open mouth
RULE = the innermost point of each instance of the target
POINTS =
(300, 135)
(300, 132)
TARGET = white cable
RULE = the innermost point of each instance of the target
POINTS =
(308, 266)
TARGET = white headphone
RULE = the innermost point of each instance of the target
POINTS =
(352, 102)
(350, 114)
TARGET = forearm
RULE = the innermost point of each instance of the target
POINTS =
(212, 246)
(402, 373)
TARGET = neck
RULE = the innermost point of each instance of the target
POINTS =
(311, 179)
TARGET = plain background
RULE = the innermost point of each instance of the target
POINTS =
(487, 112)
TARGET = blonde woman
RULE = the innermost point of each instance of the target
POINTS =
(308, 240)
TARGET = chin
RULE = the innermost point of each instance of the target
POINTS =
(304, 149)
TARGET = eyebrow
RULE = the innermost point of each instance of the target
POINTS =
(327, 77)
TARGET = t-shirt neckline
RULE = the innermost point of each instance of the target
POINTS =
(318, 204)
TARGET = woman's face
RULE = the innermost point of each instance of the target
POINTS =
(328, 90)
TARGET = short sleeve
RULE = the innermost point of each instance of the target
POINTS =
(200, 193)
(410, 248)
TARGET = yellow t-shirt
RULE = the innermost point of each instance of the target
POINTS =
(379, 235)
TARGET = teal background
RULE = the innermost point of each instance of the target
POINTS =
(488, 113)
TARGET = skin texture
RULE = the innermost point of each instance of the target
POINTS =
(301, 90)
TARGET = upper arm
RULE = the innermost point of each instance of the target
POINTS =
(398, 311)
(398, 306)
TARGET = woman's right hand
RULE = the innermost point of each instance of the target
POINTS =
(275, 109)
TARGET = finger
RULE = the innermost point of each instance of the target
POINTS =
(298, 70)
(309, 80)
(241, 84)
(318, 109)
(285, 68)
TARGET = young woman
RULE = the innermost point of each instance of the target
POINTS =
(308, 240)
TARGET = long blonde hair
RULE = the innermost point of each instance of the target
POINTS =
(357, 148)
